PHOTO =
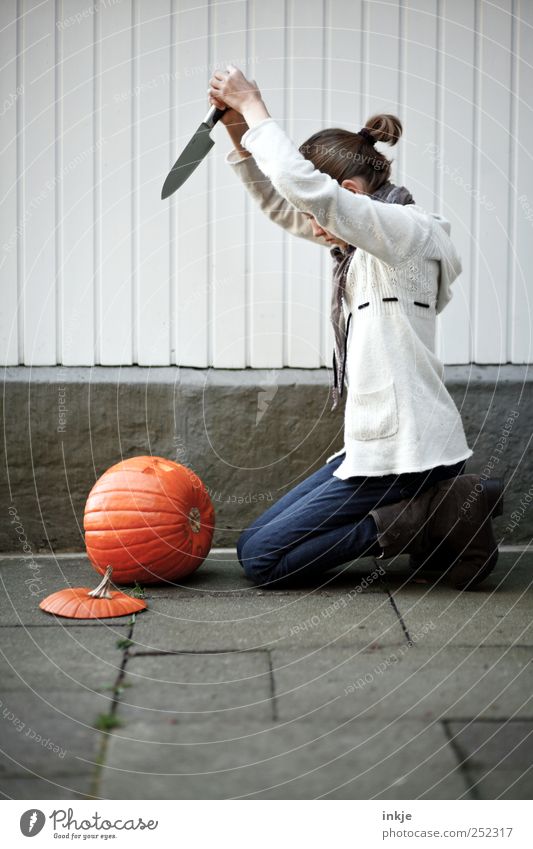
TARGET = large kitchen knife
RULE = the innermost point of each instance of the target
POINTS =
(196, 150)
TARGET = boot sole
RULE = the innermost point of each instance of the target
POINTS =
(459, 582)
(494, 492)
(438, 563)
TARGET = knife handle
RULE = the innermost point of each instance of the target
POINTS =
(213, 116)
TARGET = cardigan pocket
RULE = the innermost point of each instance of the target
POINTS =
(372, 415)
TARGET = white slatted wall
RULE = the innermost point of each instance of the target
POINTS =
(96, 101)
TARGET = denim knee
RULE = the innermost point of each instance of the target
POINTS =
(241, 542)
(254, 565)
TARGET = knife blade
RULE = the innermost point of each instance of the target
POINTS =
(193, 153)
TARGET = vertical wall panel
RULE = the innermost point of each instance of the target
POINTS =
(343, 93)
(151, 215)
(97, 101)
(343, 74)
(115, 221)
(305, 86)
(266, 301)
(421, 97)
(382, 57)
(38, 173)
(75, 281)
(521, 290)
(228, 206)
(491, 271)
(190, 285)
(458, 198)
(419, 100)
(9, 104)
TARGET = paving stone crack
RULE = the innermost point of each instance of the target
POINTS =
(112, 714)
(396, 610)
(162, 652)
(273, 697)
(462, 760)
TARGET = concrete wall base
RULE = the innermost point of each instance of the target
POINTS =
(250, 434)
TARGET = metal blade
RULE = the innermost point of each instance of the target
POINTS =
(198, 147)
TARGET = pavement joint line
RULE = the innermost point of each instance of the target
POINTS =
(163, 652)
(51, 775)
(395, 608)
(273, 697)
(238, 592)
(506, 719)
(509, 648)
(104, 740)
(462, 759)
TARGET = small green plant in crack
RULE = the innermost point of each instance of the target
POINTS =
(124, 643)
(107, 721)
(138, 591)
(115, 688)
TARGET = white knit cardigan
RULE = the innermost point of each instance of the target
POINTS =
(398, 417)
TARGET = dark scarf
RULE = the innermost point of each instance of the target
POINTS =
(387, 193)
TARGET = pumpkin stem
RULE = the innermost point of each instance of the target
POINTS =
(103, 588)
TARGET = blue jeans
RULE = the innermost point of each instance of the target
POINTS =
(323, 522)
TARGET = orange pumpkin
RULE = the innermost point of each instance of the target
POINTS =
(100, 603)
(151, 519)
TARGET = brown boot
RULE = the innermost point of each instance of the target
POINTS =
(436, 561)
(469, 551)
(447, 528)
(403, 527)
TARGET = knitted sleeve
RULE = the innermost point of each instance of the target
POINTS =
(391, 232)
(274, 205)
(441, 247)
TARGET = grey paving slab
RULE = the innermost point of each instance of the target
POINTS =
(497, 757)
(220, 572)
(50, 734)
(74, 658)
(513, 573)
(239, 691)
(181, 687)
(303, 760)
(23, 587)
(500, 612)
(59, 787)
(414, 682)
(253, 623)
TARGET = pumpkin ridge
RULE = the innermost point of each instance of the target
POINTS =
(145, 543)
(142, 490)
(110, 534)
(144, 527)
(153, 564)
(136, 511)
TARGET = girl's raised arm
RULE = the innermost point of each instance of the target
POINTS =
(260, 188)
(392, 232)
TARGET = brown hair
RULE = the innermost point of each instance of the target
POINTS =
(343, 154)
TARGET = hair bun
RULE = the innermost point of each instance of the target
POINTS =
(367, 135)
(385, 128)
